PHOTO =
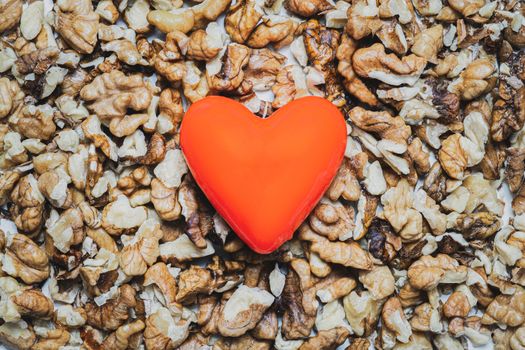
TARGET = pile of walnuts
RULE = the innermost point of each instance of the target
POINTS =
(107, 242)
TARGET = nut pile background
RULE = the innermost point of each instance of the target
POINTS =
(107, 243)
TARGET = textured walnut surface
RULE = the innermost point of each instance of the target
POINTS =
(106, 242)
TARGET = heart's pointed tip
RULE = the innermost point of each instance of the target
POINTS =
(266, 247)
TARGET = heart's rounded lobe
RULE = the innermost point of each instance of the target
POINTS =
(263, 176)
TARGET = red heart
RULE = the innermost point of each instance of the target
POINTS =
(263, 176)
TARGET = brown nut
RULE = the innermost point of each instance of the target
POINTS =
(112, 94)
(308, 8)
(427, 272)
(142, 250)
(114, 312)
(10, 13)
(10, 96)
(77, 23)
(373, 62)
(25, 260)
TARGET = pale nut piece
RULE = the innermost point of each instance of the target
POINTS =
(142, 250)
(517, 340)
(10, 13)
(452, 157)
(37, 122)
(92, 128)
(293, 82)
(392, 36)
(107, 11)
(352, 83)
(28, 211)
(430, 211)
(331, 219)
(127, 125)
(165, 201)
(275, 30)
(243, 310)
(194, 83)
(427, 272)
(475, 80)
(77, 23)
(428, 8)
(425, 319)
(428, 43)
(379, 281)
(186, 19)
(25, 260)
(183, 249)
(241, 20)
(382, 123)
(326, 339)
(231, 74)
(308, 8)
(506, 309)
(32, 20)
(164, 332)
(7, 182)
(182, 20)
(263, 67)
(171, 169)
(194, 281)
(115, 312)
(362, 312)
(333, 287)
(345, 184)
(467, 8)
(457, 153)
(395, 321)
(18, 300)
(53, 186)
(209, 10)
(170, 110)
(363, 20)
(126, 52)
(119, 217)
(122, 337)
(204, 45)
(11, 96)
(70, 317)
(373, 62)
(136, 16)
(348, 254)
(66, 230)
(457, 305)
(160, 276)
(51, 338)
(398, 210)
(17, 334)
(112, 94)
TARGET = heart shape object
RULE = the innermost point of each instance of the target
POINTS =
(263, 176)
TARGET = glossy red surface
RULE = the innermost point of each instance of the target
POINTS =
(263, 176)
